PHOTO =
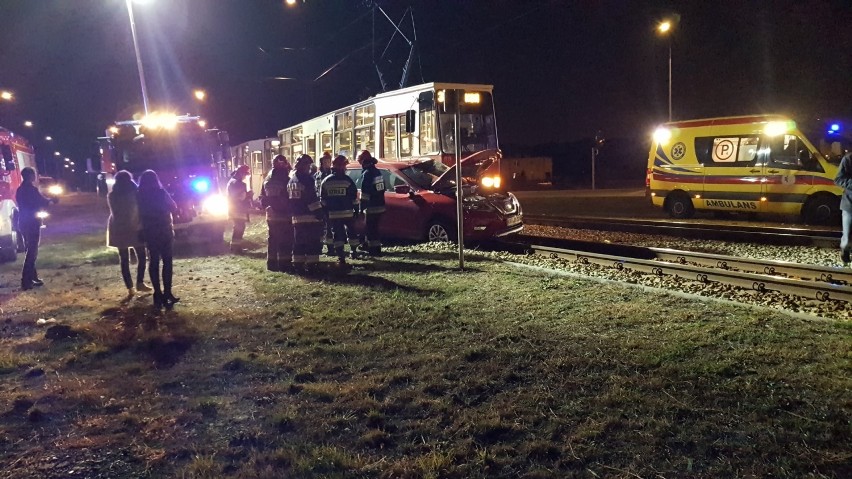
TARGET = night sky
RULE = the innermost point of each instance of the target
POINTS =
(561, 69)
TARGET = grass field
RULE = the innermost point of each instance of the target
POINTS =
(405, 367)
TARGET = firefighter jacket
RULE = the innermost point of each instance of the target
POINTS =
(304, 203)
(275, 198)
(319, 176)
(372, 191)
(238, 199)
(339, 196)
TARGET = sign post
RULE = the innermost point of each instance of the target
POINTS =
(459, 188)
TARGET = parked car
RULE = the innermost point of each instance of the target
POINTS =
(420, 203)
(50, 187)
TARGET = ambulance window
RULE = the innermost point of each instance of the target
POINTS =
(725, 150)
(748, 150)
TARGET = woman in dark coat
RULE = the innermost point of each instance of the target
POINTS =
(155, 213)
(123, 230)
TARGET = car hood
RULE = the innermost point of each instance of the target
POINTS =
(472, 166)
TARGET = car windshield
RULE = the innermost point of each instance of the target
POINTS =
(425, 173)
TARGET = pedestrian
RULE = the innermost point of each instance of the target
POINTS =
(239, 203)
(322, 173)
(372, 200)
(844, 180)
(307, 217)
(124, 230)
(276, 201)
(339, 197)
(156, 208)
(30, 204)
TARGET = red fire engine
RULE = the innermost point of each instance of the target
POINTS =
(16, 153)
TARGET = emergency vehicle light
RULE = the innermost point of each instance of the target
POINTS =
(775, 128)
(201, 185)
(835, 127)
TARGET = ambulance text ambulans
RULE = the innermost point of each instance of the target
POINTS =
(752, 164)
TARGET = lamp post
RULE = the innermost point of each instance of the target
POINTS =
(665, 29)
(138, 57)
(6, 95)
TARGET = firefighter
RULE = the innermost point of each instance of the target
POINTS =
(307, 217)
(372, 200)
(239, 201)
(30, 203)
(321, 174)
(340, 201)
(275, 199)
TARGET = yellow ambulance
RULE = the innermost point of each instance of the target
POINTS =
(752, 164)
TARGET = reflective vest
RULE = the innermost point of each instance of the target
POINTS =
(339, 196)
(276, 200)
(304, 203)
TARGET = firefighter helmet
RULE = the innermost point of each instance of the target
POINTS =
(365, 158)
(280, 161)
(339, 160)
(304, 160)
(242, 170)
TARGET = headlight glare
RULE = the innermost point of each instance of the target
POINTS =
(216, 205)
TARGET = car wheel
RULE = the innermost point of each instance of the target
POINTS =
(821, 210)
(680, 206)
(438, 232)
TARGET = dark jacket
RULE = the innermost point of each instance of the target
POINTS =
(319, 176)
(155, 214)
(30, 202)
(372, 190)
(304, 203)
(844, 180)
(339, 196)
(275, 198)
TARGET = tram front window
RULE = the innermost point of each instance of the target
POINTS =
(477, 128)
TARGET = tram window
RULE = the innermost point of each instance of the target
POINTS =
(325, 141)
(389, 138)
(406, 140)
(365, 115)
(428, 139)
(365, 138)
(343, 143)
(312, 147)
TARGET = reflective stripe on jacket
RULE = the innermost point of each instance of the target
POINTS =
(372, 190)
(339, 196)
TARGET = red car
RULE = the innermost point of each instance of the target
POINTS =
(420, 202)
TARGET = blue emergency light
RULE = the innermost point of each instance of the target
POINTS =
(833, 129)
(201, 185)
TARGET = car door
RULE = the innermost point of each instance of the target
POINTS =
(403, 217)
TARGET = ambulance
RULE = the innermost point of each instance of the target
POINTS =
(751, 164)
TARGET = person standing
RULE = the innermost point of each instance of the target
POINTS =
(322, 173)
(124, 228)
(844, 180)
(307, 217)
(276, 201)
(239, 201)
(339, 197)
(30, 203)
(372, 200)
(156, 208)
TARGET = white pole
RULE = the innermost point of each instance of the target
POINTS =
(459, 189)
(138, 57)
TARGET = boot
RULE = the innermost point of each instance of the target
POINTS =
(169, 299)
(845, 257)
(143, 288)
(38, 282)
(158, 300)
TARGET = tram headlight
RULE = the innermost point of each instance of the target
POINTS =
(216, 205)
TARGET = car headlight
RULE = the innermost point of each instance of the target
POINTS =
(490, 181)
(55, 190)
(216, 205)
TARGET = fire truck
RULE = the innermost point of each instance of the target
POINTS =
(16, 153)
(192, 162)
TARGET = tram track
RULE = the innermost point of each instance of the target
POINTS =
(778, 236)
(811, 283)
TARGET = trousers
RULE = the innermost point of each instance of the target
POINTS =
(279, 249)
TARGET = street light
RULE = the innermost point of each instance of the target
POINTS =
(138, 57)
(6, 95)
(28, 124)
(48, 138)
(200, 95)
(665, 29)
(56, 153)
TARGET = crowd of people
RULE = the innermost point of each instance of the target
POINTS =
(304, 211)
